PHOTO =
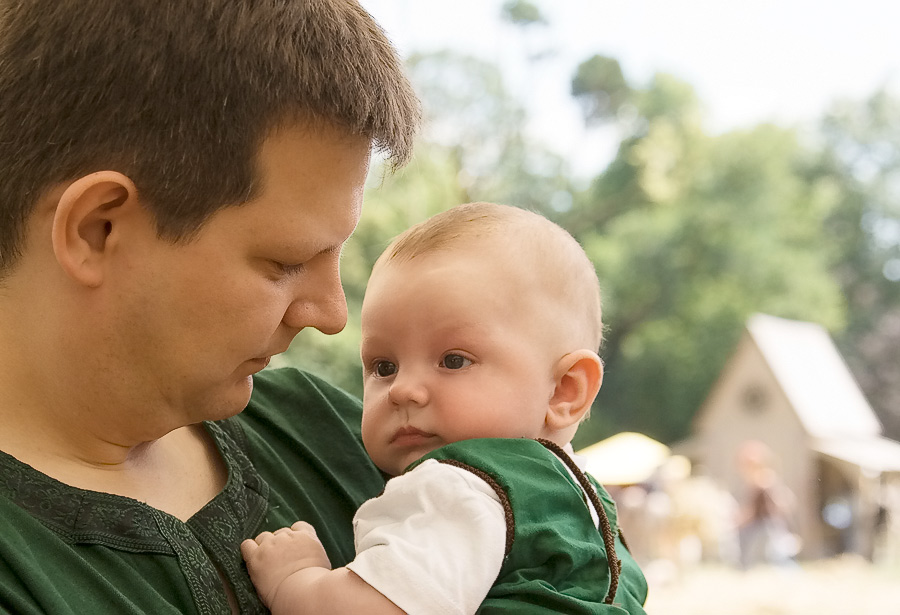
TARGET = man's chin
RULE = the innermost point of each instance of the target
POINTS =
(231, 402)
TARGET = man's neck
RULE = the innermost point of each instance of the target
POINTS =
(177, 473)
(89, 446)
(42, 422)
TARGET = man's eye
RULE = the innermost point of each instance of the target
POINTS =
(383, 369)
(455, 361)
(289, 268)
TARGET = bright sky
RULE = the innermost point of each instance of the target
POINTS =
(749, 60)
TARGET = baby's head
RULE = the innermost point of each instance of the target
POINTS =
(483, 321)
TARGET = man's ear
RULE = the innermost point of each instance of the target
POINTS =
(578, 377)
(85, 218)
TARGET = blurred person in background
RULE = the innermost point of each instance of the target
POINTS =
(765, 516)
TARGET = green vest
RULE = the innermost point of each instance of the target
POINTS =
(556, 561)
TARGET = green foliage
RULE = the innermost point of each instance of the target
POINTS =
(668, 97)
(522, 13)
(860, 157)
(472, 119)
(690, 232)
(600, 87)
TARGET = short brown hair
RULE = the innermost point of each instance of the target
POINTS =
(180, 94)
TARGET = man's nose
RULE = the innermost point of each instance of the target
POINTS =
(319, 300)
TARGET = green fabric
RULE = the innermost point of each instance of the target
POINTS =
(294, 453)
(558, 561)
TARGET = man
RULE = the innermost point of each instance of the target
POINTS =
(178, 179)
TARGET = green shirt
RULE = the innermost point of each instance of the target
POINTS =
(294, 454)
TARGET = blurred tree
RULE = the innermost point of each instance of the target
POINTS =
(471, 114)
(529, 24)
(691, 233)
(860, 154)
(522, 13)
(600, 87)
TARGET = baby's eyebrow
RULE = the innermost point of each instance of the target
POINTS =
(463, 327)
(369, 343)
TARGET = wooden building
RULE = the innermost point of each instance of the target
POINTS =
(787, 386)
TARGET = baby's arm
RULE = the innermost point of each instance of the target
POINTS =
(293, 575)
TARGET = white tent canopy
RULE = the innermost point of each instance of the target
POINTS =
(626, 458)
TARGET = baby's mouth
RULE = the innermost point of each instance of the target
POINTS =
(410, 436)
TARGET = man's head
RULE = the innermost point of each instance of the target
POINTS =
(482, 321)
(179, 96)
(178, 179)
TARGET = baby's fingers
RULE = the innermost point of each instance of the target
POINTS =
(303, 526)
(248, 547)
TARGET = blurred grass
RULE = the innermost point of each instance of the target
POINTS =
(841, 586)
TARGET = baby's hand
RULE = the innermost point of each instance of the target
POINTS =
(273, 557)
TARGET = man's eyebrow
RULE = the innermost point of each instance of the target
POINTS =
(314, 251)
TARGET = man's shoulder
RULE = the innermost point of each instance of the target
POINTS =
(286, 396)
(295, 384)
(302, 436)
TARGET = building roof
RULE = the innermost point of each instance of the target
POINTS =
(814, 377)
(873, 453)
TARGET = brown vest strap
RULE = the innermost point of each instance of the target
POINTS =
(609, 539)
(501, 493)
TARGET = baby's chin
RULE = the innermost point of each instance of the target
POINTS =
(395, 459)
(391, 468)
(396, 467)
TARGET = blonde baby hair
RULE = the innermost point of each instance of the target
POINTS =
(546, 256)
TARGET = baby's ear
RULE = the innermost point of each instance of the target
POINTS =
(578, 376)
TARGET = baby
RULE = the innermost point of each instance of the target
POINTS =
(480, 330)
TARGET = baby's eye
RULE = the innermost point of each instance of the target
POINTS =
(384, 369)
(455, 361)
